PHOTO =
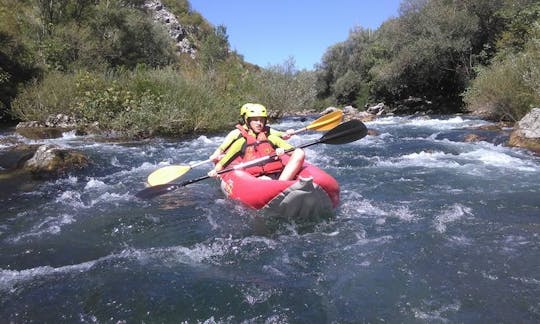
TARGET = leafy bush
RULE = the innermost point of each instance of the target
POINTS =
(282, 89)
(137, 103)
(509, 87)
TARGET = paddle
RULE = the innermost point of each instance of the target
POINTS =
(344, 133)
(172, 172)
(324, 123)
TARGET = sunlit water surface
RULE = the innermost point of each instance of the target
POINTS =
(429, 229)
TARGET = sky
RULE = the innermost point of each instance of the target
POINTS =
(269, 32)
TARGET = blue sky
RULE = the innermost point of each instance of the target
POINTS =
(268, 32)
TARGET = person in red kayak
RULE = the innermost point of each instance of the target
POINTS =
(235, 133)
(255, 139)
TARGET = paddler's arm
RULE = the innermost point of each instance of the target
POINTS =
(232, 152)
(227, 142)
(285, 135)
(296, 157)
(278, 141)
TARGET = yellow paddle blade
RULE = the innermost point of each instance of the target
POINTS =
(167, 174)
(327, 122)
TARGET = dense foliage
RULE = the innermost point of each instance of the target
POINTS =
(435, 50)
(110, 65)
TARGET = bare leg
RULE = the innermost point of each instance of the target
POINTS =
(293, 166)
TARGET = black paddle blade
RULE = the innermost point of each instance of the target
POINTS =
(154, 191)
(346, 132)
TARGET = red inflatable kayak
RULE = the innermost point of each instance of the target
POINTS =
(314, 195)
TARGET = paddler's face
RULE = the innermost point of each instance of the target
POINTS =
(257, 124)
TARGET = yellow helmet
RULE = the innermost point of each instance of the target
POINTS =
(253, 110)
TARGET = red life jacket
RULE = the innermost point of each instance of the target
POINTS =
(256, 147)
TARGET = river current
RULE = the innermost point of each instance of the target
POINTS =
(430, 229)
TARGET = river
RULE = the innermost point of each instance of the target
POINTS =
(430, 229)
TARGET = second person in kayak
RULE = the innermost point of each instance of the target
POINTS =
(255, 140)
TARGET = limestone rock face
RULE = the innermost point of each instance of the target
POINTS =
(526, 132)
(178, 32)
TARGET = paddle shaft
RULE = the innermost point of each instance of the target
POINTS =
(199, 163)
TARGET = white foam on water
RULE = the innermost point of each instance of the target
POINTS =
(451, 215)
(207, 252)
(115, 162)
(172, 256)
(377, 141)
(461, 240)
(354, 205)
(204, 140)
(110, 198)
(500, 159)
(49, 226)
(425, 159)
(71, 198)
(387, 121)
(140, 171)
(513, 243)
(528, 281)
(485, 155)
(489, 276)
(430, 314)
(456, 122)
(95, 184)
(256, 295)
(403, 213)
(10, 278)
(69, 180)
(70, 135)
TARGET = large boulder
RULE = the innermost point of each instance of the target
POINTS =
(51, 160)
(526, 132)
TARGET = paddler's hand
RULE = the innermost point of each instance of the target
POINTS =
(216, 156)
(288, 134)
(212, 173)
(280, 151)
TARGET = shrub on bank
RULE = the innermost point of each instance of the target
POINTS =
(148, 101)
(509, 87)
(140, 102)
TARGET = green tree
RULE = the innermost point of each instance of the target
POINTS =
(508, 88)
(214, 47)
(344, 70)
(283, 88)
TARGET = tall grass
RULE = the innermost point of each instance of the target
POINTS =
(160, 101)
